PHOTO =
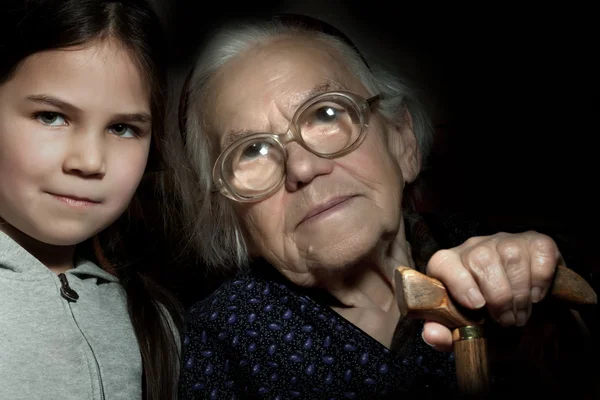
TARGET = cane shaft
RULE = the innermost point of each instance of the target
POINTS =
(472, 366)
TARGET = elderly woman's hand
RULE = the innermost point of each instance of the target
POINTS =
(504, 272)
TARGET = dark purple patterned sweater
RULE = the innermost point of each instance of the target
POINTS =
(259, 336)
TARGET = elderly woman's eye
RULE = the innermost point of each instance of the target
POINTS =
(255, 150)
(328, 114)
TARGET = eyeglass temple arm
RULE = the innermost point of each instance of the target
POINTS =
(372, 101)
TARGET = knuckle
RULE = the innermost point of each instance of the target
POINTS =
(439, 259)
(474, 240)
(479, 258)
(511, 251)
(544, 246)
(463, 276)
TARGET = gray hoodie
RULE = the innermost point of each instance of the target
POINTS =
(53, 347)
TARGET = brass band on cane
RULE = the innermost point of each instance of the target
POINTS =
(468, 333)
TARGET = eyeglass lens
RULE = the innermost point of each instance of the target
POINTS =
(326, 126)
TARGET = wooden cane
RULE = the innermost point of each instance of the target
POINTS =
(422, 297)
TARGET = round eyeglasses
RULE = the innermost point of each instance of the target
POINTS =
(328, 125)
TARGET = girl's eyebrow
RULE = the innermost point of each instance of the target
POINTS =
(135, 117)
(53, 101)
(63, 105)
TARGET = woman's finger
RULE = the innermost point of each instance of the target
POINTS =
(544, 256)
(447, 267)
(483, 262)
(437, 336)
(515, 258)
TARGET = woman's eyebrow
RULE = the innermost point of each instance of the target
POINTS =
(234, 134)
(322, 87)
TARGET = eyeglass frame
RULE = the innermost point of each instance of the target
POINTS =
(364, 107)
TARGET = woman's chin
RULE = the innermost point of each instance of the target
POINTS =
(337, 253)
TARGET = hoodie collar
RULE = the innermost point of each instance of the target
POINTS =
(18, 263)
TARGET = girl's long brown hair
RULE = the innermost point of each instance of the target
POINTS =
(31, 26)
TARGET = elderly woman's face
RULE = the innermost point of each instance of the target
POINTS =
(329, 214)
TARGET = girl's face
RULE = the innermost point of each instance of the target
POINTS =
(75, 131)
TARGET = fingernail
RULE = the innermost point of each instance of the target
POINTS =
(536, 294)
(508, 318)
(475, 298)
(429, 344)
(521, 317)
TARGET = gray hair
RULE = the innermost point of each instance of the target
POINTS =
(215, 231)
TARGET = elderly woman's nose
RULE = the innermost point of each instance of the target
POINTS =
(302, 167)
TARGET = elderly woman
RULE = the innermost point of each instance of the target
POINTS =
(301, 153)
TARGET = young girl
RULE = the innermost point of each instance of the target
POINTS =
(81, 114)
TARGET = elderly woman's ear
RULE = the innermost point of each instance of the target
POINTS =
(403, 145)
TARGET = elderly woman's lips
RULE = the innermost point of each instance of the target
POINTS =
(325, 207)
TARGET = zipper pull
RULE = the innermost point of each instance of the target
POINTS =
(65, 289)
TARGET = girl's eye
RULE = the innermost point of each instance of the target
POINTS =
(124, 131)
(51, 118)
